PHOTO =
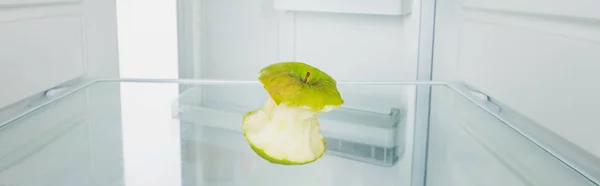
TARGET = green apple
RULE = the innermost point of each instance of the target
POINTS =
(299, 84)
(285, 130)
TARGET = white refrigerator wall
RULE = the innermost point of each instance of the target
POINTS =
(239, 37)
(235, 42)
(44, 43)
(541, 58)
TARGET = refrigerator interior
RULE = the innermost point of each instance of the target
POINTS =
(530, 65)
(532, 58)
(367, 41)
(233, 39)
(147, 132)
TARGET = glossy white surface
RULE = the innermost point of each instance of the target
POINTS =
(385, 7)
(16, 3)
(538, 57)
(235, 42)
(25, 73)
(47, 42)
(470, 147)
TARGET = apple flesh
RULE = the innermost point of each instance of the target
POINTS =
(283, 134)
(285, 130)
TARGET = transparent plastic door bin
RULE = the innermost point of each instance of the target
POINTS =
(184, 132)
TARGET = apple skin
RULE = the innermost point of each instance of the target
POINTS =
(272, 129)
(281, 161)
(300, 84)
(273, 160)
(286, 129)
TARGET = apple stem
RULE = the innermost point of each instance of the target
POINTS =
(306, 77)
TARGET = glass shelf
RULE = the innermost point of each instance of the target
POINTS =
(185, 132)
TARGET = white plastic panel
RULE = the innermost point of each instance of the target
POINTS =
(16, 3)
(257, 36)
(470, 147)
(552, 78)
(386, 7)
(44, 43)
(538, 57)
(358, 42)
(570, 8)
(39, 53)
